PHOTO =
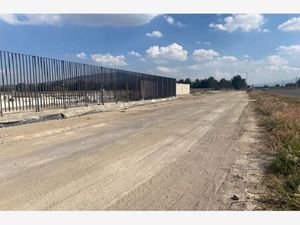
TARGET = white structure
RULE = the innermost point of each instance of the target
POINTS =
(182, 89)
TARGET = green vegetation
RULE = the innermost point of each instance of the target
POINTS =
(281, 119)
(237, 82)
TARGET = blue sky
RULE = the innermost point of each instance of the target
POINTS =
(266, 47)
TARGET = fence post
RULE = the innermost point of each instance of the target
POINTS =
(115, 86)
(37, 107)
(142, 89)
(2, 86)
(63, 80)
(1, 113)
(85, 86)
(102, 93)
(127, 97)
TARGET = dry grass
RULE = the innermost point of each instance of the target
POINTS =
(281, 120)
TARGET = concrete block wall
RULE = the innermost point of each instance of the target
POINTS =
(182, 89)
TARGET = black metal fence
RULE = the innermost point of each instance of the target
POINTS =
(33, 83)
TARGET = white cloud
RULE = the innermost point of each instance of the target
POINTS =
(265, 30)
(227, 58)
(171, 52)
(81, 55)
(95, 20)
(154, 33)
(243, 22)
(269, 69)
(32, 19)
(216, 62)
(204, 54)
(179, 24)
(166, 70)
(109, 60)
(273, 68)
(170, 20)
(289, 50)
(160, 61)
(137, 55)
(203, 42)
(133, 53)
(276, 61)
(292, 24)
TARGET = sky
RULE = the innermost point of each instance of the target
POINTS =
(262, 48)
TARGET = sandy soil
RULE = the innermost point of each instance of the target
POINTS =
(193, 153)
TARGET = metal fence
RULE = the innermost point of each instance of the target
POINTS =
(33, 83)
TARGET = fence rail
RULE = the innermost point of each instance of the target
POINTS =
(34, 83)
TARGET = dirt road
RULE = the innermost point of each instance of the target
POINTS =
(175, 155)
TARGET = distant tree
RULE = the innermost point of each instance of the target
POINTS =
(298, 82)
(21, 87)
(187, 81)
(290, 84)
(196, 84)
(41, 87)
(223, 83)
(277, 85)
(203, 83)
(238, 82)
(212, 82)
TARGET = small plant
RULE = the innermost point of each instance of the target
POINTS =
(280, 116)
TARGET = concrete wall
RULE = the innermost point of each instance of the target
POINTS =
(182, 89)
(23, 117)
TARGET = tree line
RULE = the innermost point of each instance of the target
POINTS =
(296, 84)
(236, 82)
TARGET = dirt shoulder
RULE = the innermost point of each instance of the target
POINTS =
(245, 183)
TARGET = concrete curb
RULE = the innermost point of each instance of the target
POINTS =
(32, 119)
(16, 119)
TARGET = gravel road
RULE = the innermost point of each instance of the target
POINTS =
(175, 155)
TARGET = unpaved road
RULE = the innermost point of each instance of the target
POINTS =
(177, 155)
